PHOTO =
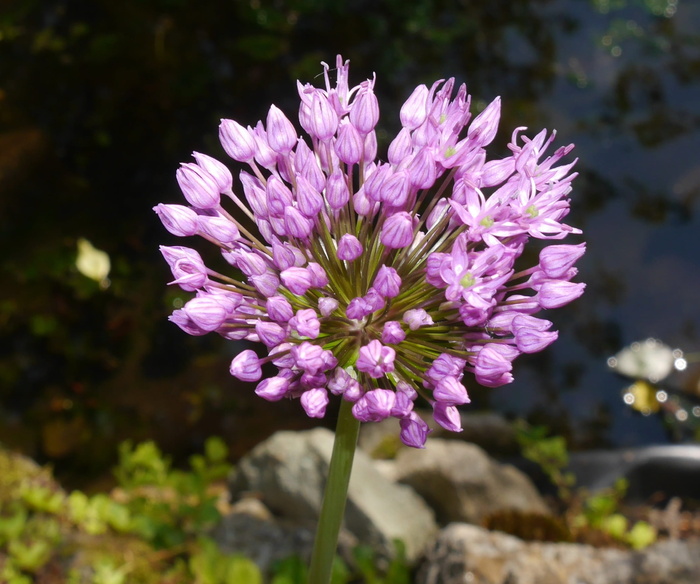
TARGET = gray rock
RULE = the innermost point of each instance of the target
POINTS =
(465, 553)
(288, 472)
(461, 483)
(251, 530)
(670, 469)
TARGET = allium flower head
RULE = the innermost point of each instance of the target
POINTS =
(376, 280)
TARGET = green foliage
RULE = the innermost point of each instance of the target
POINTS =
(396, 573)
(170, 506)
(292, 571)
(150, 529)
(209, 566)
(599, 511)
(549, 453)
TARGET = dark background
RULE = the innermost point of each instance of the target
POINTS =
(101, 100)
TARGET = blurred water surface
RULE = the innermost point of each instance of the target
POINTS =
(100, 101)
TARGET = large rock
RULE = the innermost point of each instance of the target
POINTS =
(288, 472)
(670, 469)
(251, 530)
(461, 483)
(467, 553)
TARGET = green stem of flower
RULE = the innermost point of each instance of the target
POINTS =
(335, 495)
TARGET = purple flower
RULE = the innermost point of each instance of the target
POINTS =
(397, 231)
(349, 146)
(270, 333)
(273, 388)
(246, 366)
(447, 416)
(206, 312)
(279, 309)
(187, 267)
(417, 318)
(414, 111)
(451, 392)
(557, 293)
(358, 308)
(376, 281)
(306, 323)
(217, 170)
(375, 359)
(392, 333)
(375, 405)
(280, 131)
(218, 228)
(349, 247)
(238, 143)
(199, 187)
(557, 260)
(493, 364)
(298, 280)
(387, 282)
(178, 219)
(308, 357)
(414, 431)
(314, 401)
(327, 305)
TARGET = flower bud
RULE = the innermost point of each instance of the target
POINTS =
(349, 146)
(219, 228)
(272, 388)
(414, 112)
(364, 114)
(178, 219)
(306, 323)
(309, 200)
(279, 309)
(198, 186)
(314, 401)
(323, 121)
(416, 318)
(296, 224)
(337, 193)
(392, 333)
(236, 141)
(297, 280)
(387, 282)
(414, 431)
(375, 359)
(349, 248)
(319, 279)
(556, 260)
(246, 366)
(217, 170)
(557, 293)
(205, 312)
(281, 135)
(483, 128)
(278, 196)
(327, 305)
(451, 392)
(397, 231)
(374, 406)
(447, 416)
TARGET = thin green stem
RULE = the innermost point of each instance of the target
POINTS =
(335, 495)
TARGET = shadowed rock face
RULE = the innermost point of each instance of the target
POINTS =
(672, 470)
(462, 483)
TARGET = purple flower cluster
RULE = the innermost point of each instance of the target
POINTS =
(377, 281)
